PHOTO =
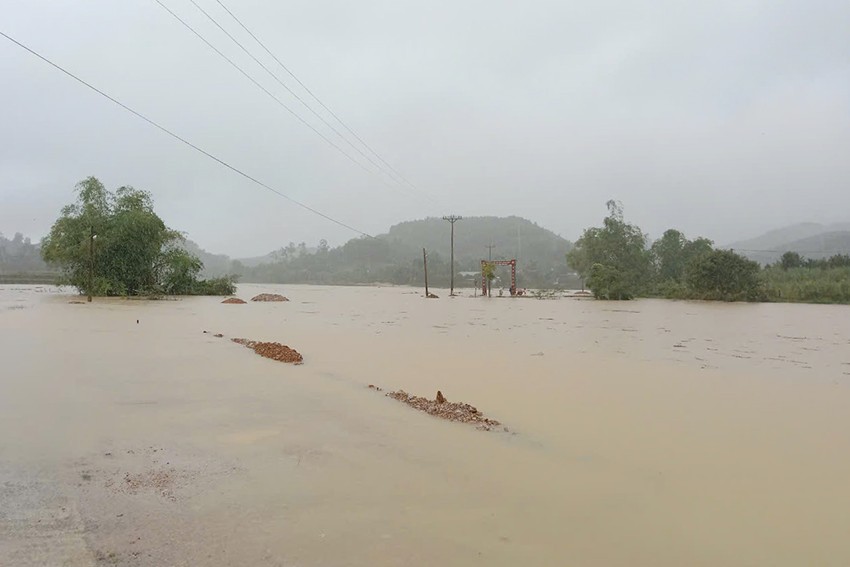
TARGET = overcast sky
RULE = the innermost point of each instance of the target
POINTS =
(722, 118)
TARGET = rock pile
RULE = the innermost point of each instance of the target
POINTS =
(269, 297)
(233, 300)
(275, 351)
(440, 407)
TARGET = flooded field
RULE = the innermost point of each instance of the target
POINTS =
(638, 433)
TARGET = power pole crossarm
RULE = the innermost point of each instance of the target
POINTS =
(453, 219)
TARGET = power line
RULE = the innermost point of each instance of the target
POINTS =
(290, 91)
(844, 251)
(265, 90)
(183, 140)
(261, 87)
(323, 105)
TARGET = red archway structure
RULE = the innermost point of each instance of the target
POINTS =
(511, 263)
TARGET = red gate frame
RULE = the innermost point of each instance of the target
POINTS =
(511, 263)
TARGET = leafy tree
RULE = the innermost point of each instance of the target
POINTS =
(668, 253)
(613, 259)
(488, 271)
(115, 244)
(791, 260)
(673, 252)
(724, 275)
(179, 271)
(838, 261)
(696, 248)
(69, 243)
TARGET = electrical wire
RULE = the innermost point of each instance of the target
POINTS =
(183, 140)
(290, 91)
(322, 104)
(797, 251)
(261, 87)
(275, 98)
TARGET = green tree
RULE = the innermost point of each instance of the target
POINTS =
(71, 239)
(791, 260)
(613, 259)
(696, 248)
(673, 252)
(669, 255)
(726, 276)
(179, 271)
(488, 272)
(115, 244)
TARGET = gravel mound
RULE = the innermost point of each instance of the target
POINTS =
(269, 297)
(233, 300)
(275, 351)
(452, 411)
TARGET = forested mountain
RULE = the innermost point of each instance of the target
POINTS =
(396, 257)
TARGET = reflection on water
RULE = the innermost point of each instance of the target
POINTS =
(643, 433)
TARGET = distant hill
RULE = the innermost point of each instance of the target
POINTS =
(811, 240)
(396, 257)
(512, 237)
(215, 265)
(19, 255)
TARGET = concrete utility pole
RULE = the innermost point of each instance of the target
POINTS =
(425, 263)
(453, 219)
(489, 248)
(92, 236)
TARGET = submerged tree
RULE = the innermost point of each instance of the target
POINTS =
(726, 276)
(673, 252)
(488, 272)
(115, 244)
(791, 260)
(613, 259)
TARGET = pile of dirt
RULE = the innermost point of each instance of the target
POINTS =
(269, 297)
(156, 480)
(440, 407)
(233, 300)
(275, 351)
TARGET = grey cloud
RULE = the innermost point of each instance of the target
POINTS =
(723, 119)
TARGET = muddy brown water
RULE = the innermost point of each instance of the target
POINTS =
(641, 433)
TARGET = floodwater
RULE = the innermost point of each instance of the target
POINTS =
(639, 433)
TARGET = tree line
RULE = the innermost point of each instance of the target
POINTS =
(616, 261)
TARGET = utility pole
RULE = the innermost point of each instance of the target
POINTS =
(425, 263)
(91, 261)
(489, 248)
(453, 219)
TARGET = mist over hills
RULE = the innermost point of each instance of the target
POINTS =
(20, 255)
(810, 240)
(396, 256)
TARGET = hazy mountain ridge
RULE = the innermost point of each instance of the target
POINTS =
(396, 256)
(511, 237)
(20, 255)
(811, 240)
